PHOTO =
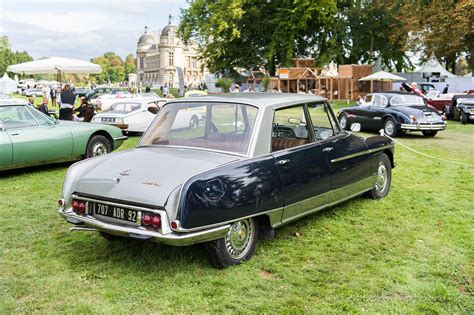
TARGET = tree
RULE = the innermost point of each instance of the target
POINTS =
(113, 68)
(252, 34)
(9, 57)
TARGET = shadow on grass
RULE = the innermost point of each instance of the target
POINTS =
(35, 169)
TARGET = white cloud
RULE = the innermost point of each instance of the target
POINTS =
(62, 22)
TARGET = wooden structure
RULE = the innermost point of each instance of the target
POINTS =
(345, 85)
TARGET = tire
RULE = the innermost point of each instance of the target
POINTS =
(429, 133)
(98, 145)
(110, 237)
(238, 245)
(343, 122)
(463, 118)
(384, 178)
(390, 127)
(194, 122)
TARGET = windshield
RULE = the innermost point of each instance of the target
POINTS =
(406, 100)
(215, 126)
(125, 107)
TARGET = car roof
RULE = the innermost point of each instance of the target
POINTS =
(11, 101)
(263, 100)
(393, 93)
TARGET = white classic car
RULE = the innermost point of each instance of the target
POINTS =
(136, 114)
(105, 101)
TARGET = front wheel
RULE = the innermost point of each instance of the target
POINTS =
(390, 127)
(384, 178)
(194, 122)
(429, 133)
(343, 122)
(463, 118)
(238, 245)
(98, 145)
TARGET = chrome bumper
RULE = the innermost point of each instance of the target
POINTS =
(423, 127)
(89, 223)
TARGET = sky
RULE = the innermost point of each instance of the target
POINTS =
(82, 29)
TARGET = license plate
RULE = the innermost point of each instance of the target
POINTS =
(115, 212)
(429, 118)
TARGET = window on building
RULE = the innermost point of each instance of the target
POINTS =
(141, 63)
(171, 58)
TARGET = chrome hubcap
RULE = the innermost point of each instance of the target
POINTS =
(343, 122)
(99, 149)
(389, 127)
(382, 178)
(239, 238)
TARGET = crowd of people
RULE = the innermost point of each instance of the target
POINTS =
(66, 99)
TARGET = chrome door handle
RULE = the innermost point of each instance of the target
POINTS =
(283, 162)
(327, 149)
(14, 134)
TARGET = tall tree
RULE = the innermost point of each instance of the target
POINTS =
(114, 69)
(9, 57)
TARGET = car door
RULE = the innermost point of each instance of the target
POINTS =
(302, 166)
(34, 137)
(346, 153)
(375, 112)
(361, 111)
(6, 150)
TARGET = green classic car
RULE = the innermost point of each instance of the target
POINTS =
(28, 137)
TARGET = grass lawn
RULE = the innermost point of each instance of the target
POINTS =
(408, 253)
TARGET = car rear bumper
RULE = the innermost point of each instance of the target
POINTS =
(90, 223)
(423, 127)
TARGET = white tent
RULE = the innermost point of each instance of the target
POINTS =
(433, 66)
(382, 76)
(56, 65)
(7, 85)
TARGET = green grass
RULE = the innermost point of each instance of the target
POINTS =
(411, 252)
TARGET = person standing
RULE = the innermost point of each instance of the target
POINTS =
(445, 90)
(44, 106)
(54, 94)
(67, 102)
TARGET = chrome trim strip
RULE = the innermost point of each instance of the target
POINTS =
(272, 211)
(190, 148)
(121, 138)
(350, 156)
(423, 127)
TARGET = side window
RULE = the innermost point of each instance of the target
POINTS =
(368, 99)
(377, 101)
(324, 124)
(289, 128)
(14, 117)
(40, 118)
(383, 101)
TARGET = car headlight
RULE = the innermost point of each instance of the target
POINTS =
(119, 120)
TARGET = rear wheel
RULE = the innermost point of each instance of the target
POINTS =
(98, 145)
(384, 178)
(390, 127)
(343, 122)
(238, 245)
(194, 122)
(429, 133)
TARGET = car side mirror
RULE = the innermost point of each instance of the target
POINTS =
(355, 127)
(294, 121)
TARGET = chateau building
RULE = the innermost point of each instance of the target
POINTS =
(158, 55)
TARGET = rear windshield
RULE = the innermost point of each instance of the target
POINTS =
(125, 107)
(214, 126)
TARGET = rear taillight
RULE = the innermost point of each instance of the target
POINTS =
(151, 220)
(79, 206)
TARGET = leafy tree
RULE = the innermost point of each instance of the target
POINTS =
(9, 57)
(114, 69)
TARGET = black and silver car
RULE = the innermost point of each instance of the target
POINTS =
(254, 163)
(395, 113)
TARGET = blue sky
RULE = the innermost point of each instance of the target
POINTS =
(82, 28)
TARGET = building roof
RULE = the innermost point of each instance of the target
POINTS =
(273, 100)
